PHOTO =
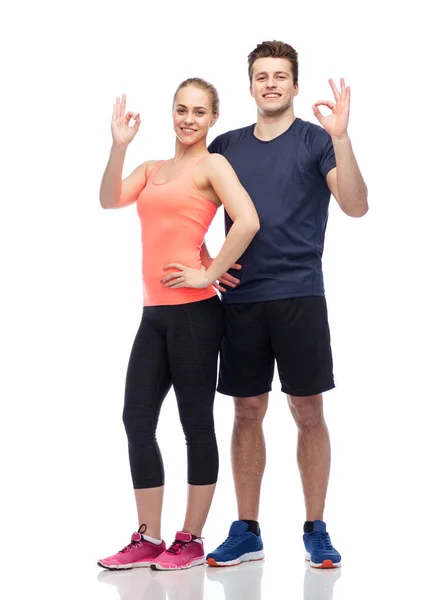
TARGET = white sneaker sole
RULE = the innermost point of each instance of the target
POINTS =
(259, 555)
(136, 565)
(195, 563)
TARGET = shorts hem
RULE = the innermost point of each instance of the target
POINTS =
(312, 392)
(241, 394)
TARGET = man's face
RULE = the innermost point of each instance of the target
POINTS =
(272, 85)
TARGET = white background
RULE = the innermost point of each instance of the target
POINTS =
(72, 294)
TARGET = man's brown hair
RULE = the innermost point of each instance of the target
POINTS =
(274, 50)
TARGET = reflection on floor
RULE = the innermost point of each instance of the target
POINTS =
(243, 582)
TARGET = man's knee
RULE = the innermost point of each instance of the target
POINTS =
(307, 410)
(250, 410)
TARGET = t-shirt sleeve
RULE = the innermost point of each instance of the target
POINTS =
(326, 158)
(218, 145)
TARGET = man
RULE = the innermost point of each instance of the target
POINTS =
(275, 308)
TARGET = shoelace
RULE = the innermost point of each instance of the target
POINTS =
(130, 546)
(133, 544)
(321, 541)
(177, 546)
(232, 540)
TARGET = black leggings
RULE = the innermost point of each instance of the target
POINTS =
(175, 345)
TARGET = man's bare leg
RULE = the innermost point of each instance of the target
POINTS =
(313, 452)
(248, 458)
(248, 453)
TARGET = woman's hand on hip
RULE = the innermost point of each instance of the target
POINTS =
(185, 277)
(226, 280)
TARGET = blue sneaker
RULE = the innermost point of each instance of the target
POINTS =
(240, 546)
(319, 550)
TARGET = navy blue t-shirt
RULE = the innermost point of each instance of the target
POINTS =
(285, 178)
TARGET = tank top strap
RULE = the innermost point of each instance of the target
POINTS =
(189, 169)
(158, 164)
(197, 160)
(187, 172)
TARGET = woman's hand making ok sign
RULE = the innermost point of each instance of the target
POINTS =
(122, 132)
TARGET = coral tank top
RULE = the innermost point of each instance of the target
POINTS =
(175, 217)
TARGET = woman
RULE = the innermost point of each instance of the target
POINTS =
(182, 324)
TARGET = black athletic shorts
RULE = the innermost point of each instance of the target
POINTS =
(293, 332)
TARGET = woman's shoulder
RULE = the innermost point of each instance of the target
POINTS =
(214, 161)
(149, 165)
(212, 166)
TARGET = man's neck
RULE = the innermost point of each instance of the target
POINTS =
(269, 127)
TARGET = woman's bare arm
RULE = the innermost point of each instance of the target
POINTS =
(114, 192)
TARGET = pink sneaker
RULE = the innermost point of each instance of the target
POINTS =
(184, 553)
(139, 553)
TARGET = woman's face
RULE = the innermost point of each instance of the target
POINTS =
(192, 115)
